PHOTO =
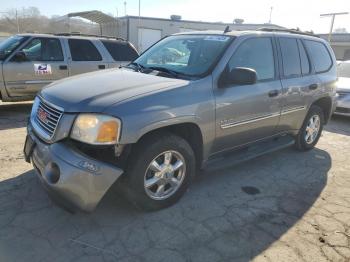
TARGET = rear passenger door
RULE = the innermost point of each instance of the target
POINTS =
(121, 52)
(84, 57)
(44, 62)
(298, 82)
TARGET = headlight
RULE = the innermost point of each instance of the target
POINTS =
(96, 129)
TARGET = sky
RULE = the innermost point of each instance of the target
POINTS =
(304, 14)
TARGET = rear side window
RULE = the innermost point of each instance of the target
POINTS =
(319, 55)
(83, 50)
(120, 51)
(305, 64)
(290, 57)
(257, 54)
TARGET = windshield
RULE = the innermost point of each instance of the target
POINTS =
(191, 55)
(9, 45)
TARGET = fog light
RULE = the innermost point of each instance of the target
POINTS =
(52, 173)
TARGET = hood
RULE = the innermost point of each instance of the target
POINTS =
(94, 92)
(343, 84)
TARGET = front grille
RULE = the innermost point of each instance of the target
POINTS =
(342, 110)
(47, 117)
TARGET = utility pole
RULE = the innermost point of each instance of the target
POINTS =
(333, 15)
(124, 8)
(17, 22)
(270, 14)
(139, 8)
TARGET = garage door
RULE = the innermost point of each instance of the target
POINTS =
(148, 37)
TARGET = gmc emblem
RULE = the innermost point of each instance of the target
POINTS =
(43, 116)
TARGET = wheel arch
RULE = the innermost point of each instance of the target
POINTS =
(189, 131)
(325, 103)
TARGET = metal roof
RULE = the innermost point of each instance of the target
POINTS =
(244, 25)
(94, 16)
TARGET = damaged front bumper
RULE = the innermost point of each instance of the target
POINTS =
(69, 175)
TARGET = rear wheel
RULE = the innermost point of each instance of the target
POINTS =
(159, 171)
(311, 130)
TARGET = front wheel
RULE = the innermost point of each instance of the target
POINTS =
(311, 130)
(159, 171)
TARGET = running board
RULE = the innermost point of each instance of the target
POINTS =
(247, 153)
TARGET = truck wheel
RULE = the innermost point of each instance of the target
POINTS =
(159, 171)
(311, 130)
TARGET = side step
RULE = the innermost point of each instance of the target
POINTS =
(247, 153)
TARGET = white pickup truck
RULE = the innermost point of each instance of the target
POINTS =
(31, 61)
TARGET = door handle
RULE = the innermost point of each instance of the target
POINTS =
(63, 67)
(273, 93)
(101, 66)
(313, 86)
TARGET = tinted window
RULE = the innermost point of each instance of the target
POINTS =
(256, 53)
(43, 49)
(319, 55)
(83, 50)
(290, 57)
(120, 51)
(305, 64)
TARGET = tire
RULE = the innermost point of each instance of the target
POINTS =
(304, 140)
(139, 172)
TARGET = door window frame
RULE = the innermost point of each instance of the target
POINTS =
(311, 69)
(30, 39)
(85, 61)
(274, 53)
(282, 61)
(329, 54)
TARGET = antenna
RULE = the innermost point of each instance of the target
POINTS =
(271, 9)
(227, 29)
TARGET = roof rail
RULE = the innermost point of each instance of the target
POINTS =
(292, 31)
(90, 35)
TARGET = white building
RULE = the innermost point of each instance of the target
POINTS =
(144, 31)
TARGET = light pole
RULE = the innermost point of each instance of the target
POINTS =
(333, 15)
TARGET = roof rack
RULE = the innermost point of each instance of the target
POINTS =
(90, 35)
(292, 31)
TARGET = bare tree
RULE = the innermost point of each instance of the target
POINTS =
(31, 20)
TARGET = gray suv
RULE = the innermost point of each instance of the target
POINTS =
(191, 101)
(31, 61)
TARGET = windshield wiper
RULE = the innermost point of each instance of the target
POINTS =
(136, 66)
(165, 70)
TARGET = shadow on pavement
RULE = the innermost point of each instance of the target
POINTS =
(14, 115)
(232, 214)
(339, 125)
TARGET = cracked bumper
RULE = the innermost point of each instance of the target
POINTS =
(77, 185)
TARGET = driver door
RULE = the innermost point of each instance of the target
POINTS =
(247, 113)
(38, 63)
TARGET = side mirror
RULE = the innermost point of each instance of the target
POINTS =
(20, 56)
(238, 76)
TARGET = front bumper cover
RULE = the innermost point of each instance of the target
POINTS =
(82, 181)
(343, 105)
